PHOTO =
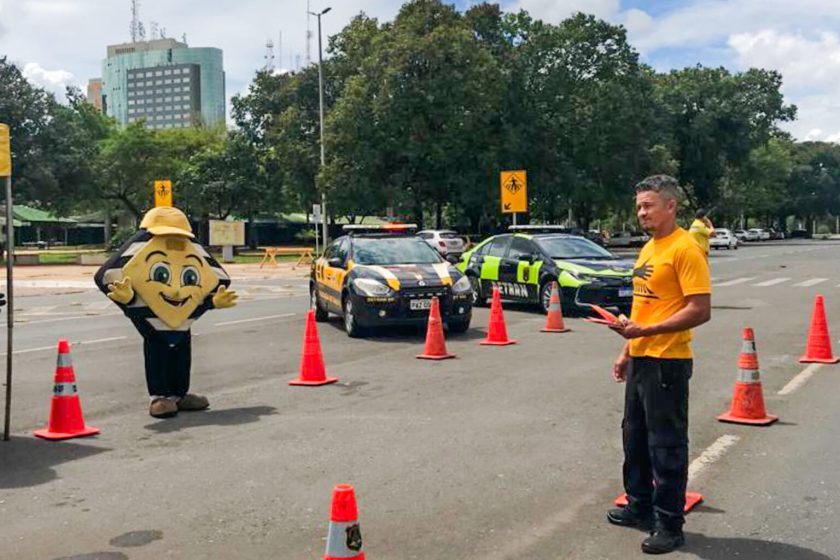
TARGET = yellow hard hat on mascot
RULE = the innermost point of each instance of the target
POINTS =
(166, 220)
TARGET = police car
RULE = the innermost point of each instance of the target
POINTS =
(385, 275)
(524, 263)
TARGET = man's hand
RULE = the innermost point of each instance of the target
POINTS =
(223, 298)
(121, 291)
(619, 372)
(628, 329)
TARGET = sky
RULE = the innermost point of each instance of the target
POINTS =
(63, 42)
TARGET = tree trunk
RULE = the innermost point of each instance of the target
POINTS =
(438, 215)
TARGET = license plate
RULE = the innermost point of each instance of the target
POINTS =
(625, 292)
(420, 304)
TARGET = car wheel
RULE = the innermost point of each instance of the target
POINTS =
(479, 299)
(321, 314)
(351, 323)
(460, 326)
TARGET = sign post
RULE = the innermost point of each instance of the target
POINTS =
(163, 193)
(514, 189)
(6, 171)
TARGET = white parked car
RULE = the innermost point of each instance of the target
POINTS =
(760, 234)
(723, 239)
(748, 235)
(445, 241)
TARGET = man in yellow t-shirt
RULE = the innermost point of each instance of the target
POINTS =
(671, 295)
(701, 229)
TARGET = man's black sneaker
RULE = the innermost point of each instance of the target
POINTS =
(626, 517)
(663, 541)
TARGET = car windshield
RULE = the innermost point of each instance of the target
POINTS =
(393, 250)
(572, 248)
(449, 235)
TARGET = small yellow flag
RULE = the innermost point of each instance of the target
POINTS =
(5, 152)
(163, 193)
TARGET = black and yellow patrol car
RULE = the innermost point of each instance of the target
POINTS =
(385, 275)
(524, 263)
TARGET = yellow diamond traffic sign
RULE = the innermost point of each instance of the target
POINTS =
(163, 193)
(514, 188)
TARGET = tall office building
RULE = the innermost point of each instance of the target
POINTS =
(165, 82)
(94, 92)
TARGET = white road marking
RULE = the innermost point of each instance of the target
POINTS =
(711, 455)
(79, 343)
(811, 282)
(736, 281)
(267, 318)
(801, 378)
(772, 282)
(76, 318)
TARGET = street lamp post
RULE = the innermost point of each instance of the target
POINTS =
(321, 117)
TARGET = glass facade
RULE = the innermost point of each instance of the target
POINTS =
(143, 80)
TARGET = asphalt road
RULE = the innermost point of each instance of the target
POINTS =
(504, 453)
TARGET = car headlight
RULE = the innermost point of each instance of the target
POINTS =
(370, 287)
(462, 285)
(580, 276)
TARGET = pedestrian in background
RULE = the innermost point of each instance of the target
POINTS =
(671, 295)
(701, 229)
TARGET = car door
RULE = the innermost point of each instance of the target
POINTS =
(331, 275)
(515, 273)
(492, 261)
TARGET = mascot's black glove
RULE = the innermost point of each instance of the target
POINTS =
(2, 299)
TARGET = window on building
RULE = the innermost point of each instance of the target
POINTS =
(158, 73)
(167, 72)
(167, 81)
(131, 101)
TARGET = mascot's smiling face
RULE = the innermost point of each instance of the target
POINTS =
(172, 277)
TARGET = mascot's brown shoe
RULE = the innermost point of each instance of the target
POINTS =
(193, 402)
(162, 407)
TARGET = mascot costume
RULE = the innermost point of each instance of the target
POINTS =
(163, 281)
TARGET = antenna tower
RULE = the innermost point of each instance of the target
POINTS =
(135, 26)
(269, 56)
(153, 30)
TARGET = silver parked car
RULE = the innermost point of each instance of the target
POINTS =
(444, 241)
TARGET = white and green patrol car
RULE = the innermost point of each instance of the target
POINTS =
(524, 263)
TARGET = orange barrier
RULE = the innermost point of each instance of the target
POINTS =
(554, 319)
(748, 398)
(66, 418)
(818, 349)
(312, 370)
(497, 331)
(344, 537)
(435, 348)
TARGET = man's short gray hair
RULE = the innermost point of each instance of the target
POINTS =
(662, 184)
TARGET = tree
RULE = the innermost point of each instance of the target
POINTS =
(716, 119)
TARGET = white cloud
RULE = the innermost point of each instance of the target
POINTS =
(51, 80)
(809, 66)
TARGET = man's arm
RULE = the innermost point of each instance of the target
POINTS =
(697, 310)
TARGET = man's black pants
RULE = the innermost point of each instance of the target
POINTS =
(655, 433)
(167, 366)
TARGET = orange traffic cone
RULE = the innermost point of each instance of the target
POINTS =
(554, 320)
(435, 343)
(312, 371)
(497, 332)
(344, 538)
(66, 419)
(747, 398)
(692, 499)
(819, 341)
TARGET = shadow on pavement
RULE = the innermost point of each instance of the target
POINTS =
(713, 548)
(224, 417)
(28, 462)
